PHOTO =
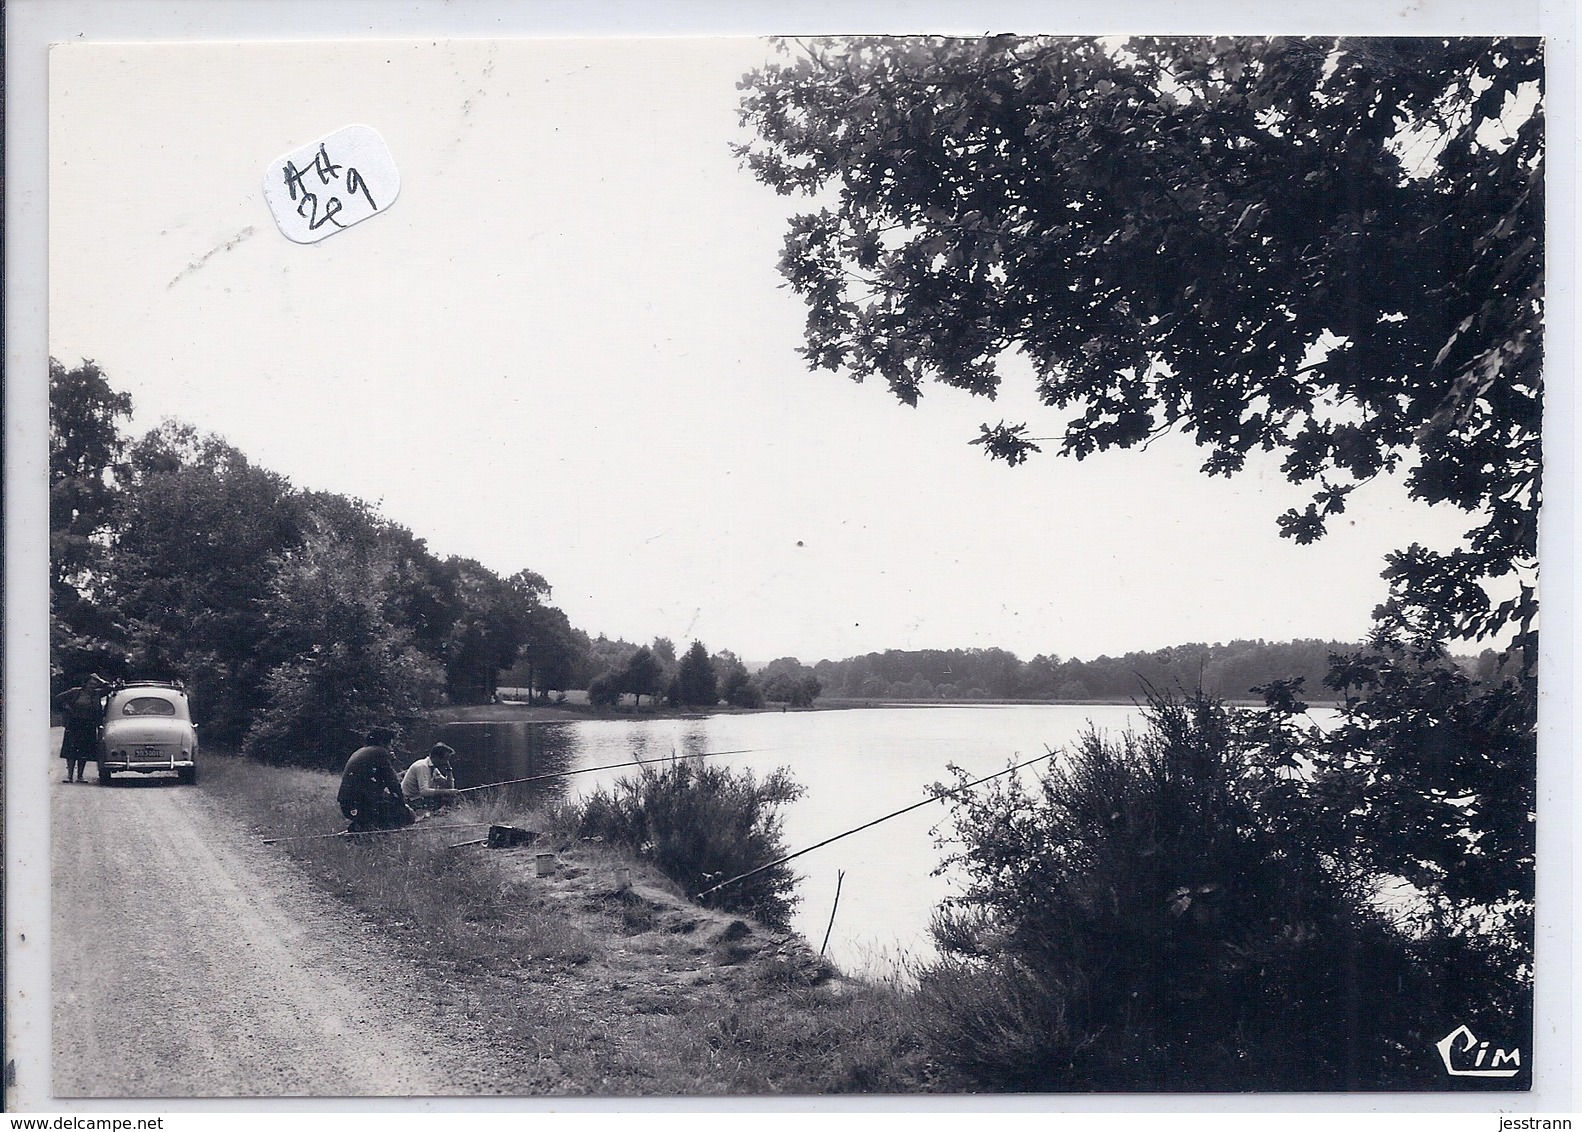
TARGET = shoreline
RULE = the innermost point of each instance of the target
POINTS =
(506, 711)
(598, 976)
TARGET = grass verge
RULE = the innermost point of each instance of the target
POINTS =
(569, 984)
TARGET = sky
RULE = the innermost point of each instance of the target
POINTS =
(566, 346)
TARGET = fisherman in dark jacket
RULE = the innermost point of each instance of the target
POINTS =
(370, 794)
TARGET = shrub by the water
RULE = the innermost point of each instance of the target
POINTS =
(604, 691)
(1166, 911)
(701, 824)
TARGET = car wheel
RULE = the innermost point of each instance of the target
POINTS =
(189, 775)
(105, 774)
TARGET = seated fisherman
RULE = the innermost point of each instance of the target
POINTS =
(430, 784)
(370, 794)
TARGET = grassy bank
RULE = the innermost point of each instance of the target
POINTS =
(566, 984)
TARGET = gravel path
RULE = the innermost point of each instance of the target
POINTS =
(189, 961)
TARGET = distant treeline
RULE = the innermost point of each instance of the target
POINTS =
(1228, 670)
(610, 669)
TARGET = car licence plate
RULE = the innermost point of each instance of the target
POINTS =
(152, 754)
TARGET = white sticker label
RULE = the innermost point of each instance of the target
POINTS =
(330, 184)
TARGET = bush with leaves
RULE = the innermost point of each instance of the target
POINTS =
(788, 681)
(604, 690)
(348, 667)
(1172, 910)
(1468, 748)
(701, 824)
(1430, 779)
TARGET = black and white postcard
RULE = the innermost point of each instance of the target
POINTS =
(803, 563)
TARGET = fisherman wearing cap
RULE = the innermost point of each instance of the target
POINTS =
(370, 794)
(430, 784)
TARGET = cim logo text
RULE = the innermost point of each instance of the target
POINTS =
(1465, 1056)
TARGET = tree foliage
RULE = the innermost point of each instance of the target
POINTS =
(491, 619)
(295, 618)
(345, 666)
(1331, 250)
(787, 680)
(604, 690)
(1230, 669)
(85, 451)
(1430, 777)
(553, 656)
(190, 569)
(643, 675)
(1468, 833)
(1327, 250)
(1428, 786)
(696, 682)
(735, 684)
(1170, 910)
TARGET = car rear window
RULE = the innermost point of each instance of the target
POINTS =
(148, 705)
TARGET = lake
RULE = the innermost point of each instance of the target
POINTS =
(856, 764)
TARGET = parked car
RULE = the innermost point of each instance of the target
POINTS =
(147, 728)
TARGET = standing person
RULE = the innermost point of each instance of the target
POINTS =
(83, 707)
(430, 783)
(370, 794)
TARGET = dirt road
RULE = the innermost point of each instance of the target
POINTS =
(189, 961)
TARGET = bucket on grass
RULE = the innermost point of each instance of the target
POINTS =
(546, 864)
(623, 878)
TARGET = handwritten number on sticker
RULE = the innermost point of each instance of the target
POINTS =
(327, 171)
(330, 184)
(322, 165)
(355, 184)
(315, 221)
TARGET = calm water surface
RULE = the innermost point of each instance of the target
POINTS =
(857, 765)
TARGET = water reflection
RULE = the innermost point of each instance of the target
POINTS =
(855, 766)
(502, 751)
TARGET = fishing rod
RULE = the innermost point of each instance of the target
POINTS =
(607, 766)
(508, 782)
(940, 797)
(375, 832)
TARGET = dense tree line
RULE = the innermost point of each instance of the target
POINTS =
(295, 618)
(1230, 670)
(611, 669)
(1331, 250)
